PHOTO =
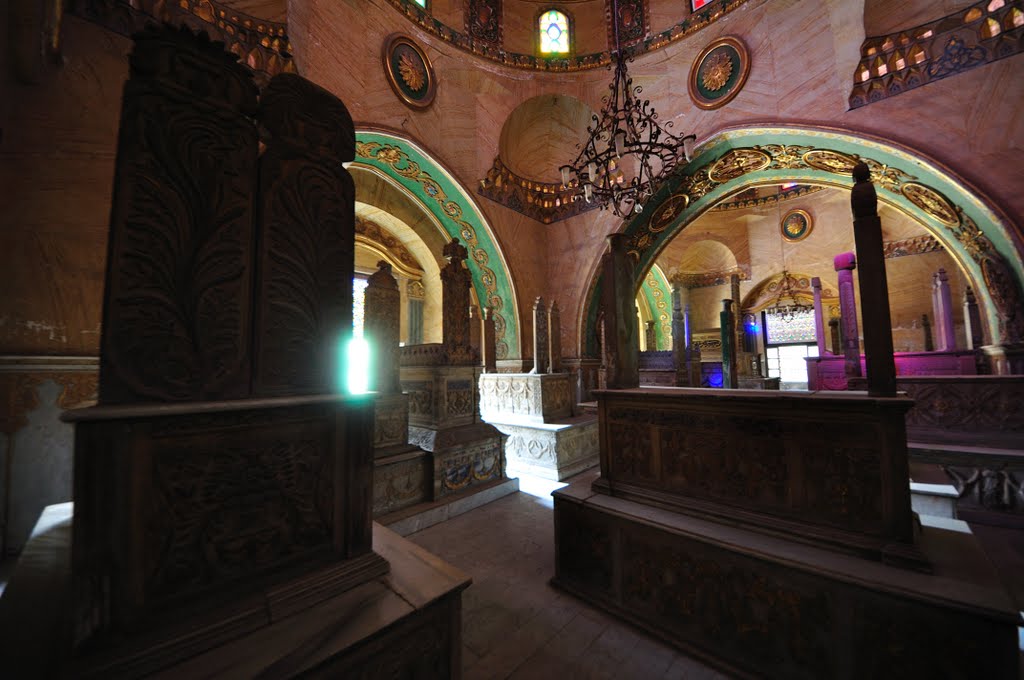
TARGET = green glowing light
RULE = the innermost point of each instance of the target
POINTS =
(357, 378)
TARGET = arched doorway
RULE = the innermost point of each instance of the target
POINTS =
(982, 240)
(424, 179)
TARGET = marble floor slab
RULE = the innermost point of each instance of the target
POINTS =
(515, 625)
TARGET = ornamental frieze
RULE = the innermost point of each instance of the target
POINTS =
(485, 46)
(736, 163)
(262, 46)
(970, 37)
(401, 164)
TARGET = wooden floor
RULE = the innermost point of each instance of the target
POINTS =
(515, 625)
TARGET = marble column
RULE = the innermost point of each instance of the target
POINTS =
(554, 339)
(819, 323)
(540, 337)
(622, 367)
(730, 376)
(845, 264)
(488, 342)
(972, 321)
(942, 312)
(382, 304)
(874, 285)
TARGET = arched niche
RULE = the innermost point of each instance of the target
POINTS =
(981, 239)
(428, 183)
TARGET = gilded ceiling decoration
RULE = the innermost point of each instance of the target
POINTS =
(741, 201)
(796, 225)
(709, 279)
(658, 297)
(372, 231)
(734, 164)
(918, 245)
(633, 21)
(483, 20)
(719, 73)
(261, 45)
(974, 36)
(488, 49)
(546, 202)
(737, 163)
(932, 202)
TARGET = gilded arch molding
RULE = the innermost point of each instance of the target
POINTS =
(982, 240)
(657, 295)
(452, 207)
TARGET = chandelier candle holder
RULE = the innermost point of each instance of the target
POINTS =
(787, 306)
(627, 155)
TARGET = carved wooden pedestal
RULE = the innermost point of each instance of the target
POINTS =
(772, 534)
(194, 522)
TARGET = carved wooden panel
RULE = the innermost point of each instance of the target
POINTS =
(307, 240)
(227, 505)
(834, 471)
(765, 615)
(177, 301)
(207, 506)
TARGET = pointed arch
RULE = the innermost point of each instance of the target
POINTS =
(983, 241)
(437, 191)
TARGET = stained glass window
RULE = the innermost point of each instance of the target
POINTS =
(554, 32)
(798, 329)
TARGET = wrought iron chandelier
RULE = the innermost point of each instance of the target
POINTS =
(787, 306)
(628, 154)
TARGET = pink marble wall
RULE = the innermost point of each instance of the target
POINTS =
(960, 121)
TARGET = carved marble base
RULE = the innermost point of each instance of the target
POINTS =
(463, 456)
(526, 398)
(762, 606)
(402, 480)
(553, 451)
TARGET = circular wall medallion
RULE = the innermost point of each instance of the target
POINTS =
(737, 163)
(668, 212)
(796, 225)
(830, 161)
(932, 202)
(719, 72)
(408, 71)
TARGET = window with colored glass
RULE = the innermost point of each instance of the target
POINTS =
(554, 32)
